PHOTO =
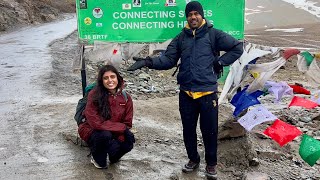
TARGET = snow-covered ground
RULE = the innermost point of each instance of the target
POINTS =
(311, 7)
(275, 13)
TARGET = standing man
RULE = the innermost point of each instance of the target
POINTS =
(199, 70)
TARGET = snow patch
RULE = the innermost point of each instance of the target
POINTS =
(253, 11)
(287, 30)
(308, 6)
(42, 159)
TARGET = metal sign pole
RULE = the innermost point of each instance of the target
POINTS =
(83, 70)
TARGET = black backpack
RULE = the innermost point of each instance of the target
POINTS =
(79, 117)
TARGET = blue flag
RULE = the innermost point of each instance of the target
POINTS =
(242, 100)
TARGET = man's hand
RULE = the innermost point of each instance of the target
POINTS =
(140, 62)
(218, 68)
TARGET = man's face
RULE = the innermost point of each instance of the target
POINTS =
(194, 19)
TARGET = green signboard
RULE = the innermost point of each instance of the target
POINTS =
(151, 20)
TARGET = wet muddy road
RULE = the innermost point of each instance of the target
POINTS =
(29, 128)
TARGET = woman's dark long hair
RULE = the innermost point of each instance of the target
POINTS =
(102, 93)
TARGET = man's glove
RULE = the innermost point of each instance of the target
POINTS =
(218, 68)
(140, 62)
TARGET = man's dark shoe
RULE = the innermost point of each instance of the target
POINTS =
(190, 166)
(211, 172)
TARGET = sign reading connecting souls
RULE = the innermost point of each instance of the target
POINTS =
(151, 20)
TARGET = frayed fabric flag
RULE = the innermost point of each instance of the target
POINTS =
(242, 100)
(282, 132)
(263, 72)
(309, 67)
(290, 52)
(299, 89)
(309, 149)
(316, 97)
(308, 57)
(313, 72)
(302, 63)
(256, 116)
(237, 72)
(278, 89)
(299, 101)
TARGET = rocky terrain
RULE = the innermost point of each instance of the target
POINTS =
(15, 13)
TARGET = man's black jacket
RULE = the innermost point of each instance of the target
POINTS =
(196, 72)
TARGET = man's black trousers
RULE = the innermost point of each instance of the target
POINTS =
(190, 109)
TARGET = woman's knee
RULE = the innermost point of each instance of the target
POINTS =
(101, 136)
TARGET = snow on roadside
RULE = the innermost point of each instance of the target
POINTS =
(309, 6)
(249, 11)
(287, 30)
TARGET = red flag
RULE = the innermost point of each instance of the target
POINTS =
(114, 51)
(282, 132)
(290, 52)
(299, 101)
(299, 89)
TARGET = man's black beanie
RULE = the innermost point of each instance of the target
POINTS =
(194, 6)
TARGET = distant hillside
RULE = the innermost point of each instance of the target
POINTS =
(15, 13)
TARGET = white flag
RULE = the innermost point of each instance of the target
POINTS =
(264, 71)
(278, 89)
(256, 116)
(316, 97)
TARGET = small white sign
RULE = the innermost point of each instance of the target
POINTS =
(126, 6)
(170, 2)
(98, 24)
(97, 13)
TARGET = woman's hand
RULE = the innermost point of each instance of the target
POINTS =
(121, 138)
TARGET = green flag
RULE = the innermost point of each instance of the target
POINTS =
(309, 149)
(308, 57)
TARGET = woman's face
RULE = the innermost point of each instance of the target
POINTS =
(110, 81)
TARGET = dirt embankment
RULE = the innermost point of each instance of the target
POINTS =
(15, 13)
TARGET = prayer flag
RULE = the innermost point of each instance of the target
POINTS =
(256, 116)
(299, 101)
(313, 72)
(264, 71)
(282, 132)
(308, 57)
(309, 149)
(299, 89)
(278, 89)
(316, 97)
(290, 52)
(237, 72)
(242, 100)
(302, 63)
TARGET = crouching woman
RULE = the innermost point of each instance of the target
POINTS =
(108, 114)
